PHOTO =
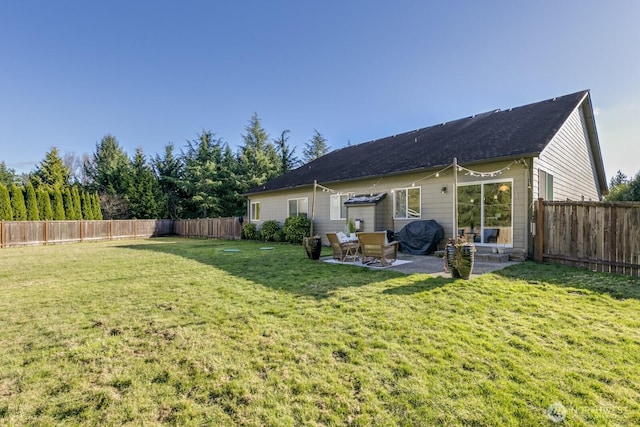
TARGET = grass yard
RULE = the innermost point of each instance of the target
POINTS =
(181, 332)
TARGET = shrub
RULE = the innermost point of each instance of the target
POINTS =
(269, 231)
(296, 228)
(249, 231)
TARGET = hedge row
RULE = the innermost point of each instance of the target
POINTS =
(294, 230)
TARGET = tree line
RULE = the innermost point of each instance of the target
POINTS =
(205, 178)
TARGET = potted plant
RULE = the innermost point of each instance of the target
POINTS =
(351, 226)
(313, 246)
(460, 257)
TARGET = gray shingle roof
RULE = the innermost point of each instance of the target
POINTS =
(500, 134)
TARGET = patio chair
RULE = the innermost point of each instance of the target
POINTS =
(342, 248)
(375, 247)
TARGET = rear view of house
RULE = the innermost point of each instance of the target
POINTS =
(477, 176)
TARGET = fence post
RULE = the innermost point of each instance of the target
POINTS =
(46, 233)
(538, 254)
(2, 238)
(111, 229)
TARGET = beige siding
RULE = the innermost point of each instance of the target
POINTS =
(569, 159)
(434, 204)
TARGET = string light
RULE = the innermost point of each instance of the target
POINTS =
(467, 171)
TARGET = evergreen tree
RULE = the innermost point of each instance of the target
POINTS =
(87, 211)
(6, 211)
(259, 160)
(232, 203)
(110, 172)
(44, 204)
(58, 205)
(109, 168)
(144, 189)
(7, 175)
(618, 179)
(169, 170)
(95, 204)
(201, 182)
(315, 148)
(67, 198)
(31, 203)
(17, 203)
(623, 189)
(288, 160)
(77, 207)
(52, 170)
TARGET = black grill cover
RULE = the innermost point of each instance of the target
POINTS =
(420, 237)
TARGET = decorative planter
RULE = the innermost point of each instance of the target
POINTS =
(460, 258)
(312, 247)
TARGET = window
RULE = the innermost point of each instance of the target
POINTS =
(485, 212)
(337, 208)
(545, 185)
(406, 202)
(255, 211)
(298, 207)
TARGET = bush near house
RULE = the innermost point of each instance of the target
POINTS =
(249, 231)
(296, 228)
(271, 231)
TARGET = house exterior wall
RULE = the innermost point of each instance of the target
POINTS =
(434, 204)
(568, 157)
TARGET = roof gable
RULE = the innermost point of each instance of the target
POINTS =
(500, 134)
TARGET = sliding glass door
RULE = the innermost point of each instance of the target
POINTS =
(485, 212)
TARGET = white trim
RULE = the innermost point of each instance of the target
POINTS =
(304, 200)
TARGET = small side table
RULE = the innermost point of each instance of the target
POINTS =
(351, 250)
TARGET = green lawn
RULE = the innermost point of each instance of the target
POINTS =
(180, 332)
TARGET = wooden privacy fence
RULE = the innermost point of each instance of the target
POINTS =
(220, 228)
(21, 233)
(599, 236)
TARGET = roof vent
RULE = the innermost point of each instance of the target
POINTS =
(554, 99)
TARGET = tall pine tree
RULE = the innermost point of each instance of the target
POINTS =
(95, 204)
(169, 170)
(31, 203)
(67, 198)
(58, 205)
(52, 170)
(6, 211)
(17, 203)
(259, 161)
(87, 211)
(44, 203)
(201, 181)
(315, 148)
(144, 190)
(77, 207)
(288, 160)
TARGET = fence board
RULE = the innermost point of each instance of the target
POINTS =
(599, 236)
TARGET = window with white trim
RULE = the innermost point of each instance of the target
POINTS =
(337, 209)
(298, 207)
(255, 211)
(406, 203)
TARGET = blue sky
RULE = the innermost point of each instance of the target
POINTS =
(154, 72)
